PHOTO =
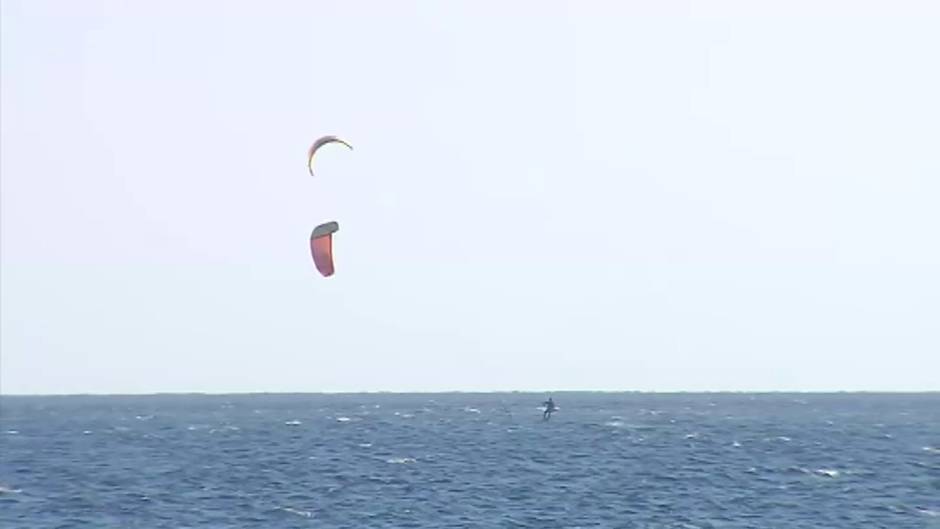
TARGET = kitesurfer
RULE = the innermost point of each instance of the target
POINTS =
(549, 408)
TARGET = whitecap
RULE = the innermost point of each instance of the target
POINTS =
(298, 512)
(784, 438)
(736, 444)
(827, 472)
(691, 435)
(293, 423)
(932, 449)
(613, 424)
(474, 410)
(928, 512)
(13, 432)
(343, 419)
(365, 445)
(401, 460)
(9, 490)
(86, 432)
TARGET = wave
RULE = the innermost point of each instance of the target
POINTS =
(298, 512)
(224, 429)
(401, 460)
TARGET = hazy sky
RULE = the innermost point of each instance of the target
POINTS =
(652, 195)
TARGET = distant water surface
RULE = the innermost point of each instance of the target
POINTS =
(471, 460)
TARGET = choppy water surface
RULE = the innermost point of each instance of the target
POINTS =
(470, 460)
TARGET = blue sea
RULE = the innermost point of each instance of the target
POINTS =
(604, 460)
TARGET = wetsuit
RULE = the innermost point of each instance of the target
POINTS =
(549, 408)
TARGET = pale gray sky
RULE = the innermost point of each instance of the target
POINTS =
(651, 195)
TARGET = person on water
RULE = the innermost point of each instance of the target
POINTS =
(549, 408)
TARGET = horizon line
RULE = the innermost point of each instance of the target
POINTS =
(482, 392)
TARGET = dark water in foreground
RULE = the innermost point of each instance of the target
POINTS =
(470, 460)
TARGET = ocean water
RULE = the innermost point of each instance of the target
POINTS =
(471, 460)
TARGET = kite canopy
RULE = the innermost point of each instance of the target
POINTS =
(319, 143)
(321, 247)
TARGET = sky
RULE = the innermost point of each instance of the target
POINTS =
(543, 195)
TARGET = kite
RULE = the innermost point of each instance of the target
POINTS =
(321, 247)
(320, 143)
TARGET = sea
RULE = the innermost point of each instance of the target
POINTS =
(465, 460)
